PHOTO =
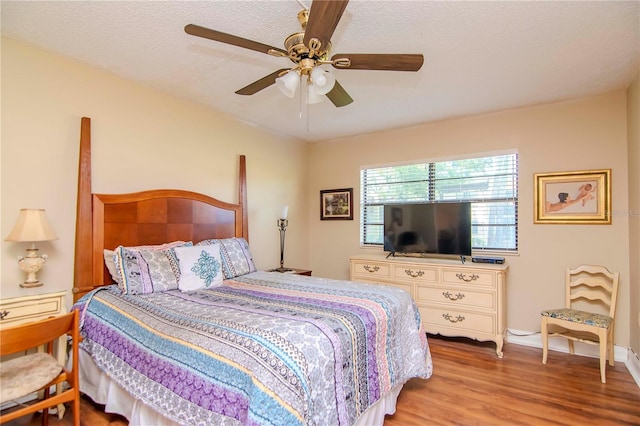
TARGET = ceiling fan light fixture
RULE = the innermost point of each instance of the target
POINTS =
(322, 81)
(288, 83)
(310, 48)
(313, 97)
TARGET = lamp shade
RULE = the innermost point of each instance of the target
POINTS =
(32, 225)
(322, 80)
(288, 83)
(312, 95)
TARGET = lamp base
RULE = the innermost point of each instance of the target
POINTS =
(31, 264)
(31, 285)
(281, 269)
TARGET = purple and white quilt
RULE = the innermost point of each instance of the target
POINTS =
(262, 349)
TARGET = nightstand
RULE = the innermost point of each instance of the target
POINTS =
(19, 310)
(296, 271)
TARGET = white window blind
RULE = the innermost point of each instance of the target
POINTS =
(489, 183)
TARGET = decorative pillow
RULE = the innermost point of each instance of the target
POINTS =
(162, 270)
(236, 256)
(200, 267)
(147, 269)
(110, 261)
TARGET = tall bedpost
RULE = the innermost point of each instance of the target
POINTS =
(242, 198)
(83, 260)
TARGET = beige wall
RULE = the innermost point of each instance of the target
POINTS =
(142, 139)
(633, 120)
(578, 135)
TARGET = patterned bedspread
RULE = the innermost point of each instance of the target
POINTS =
(263, 349)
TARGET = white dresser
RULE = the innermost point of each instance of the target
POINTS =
(454, 299)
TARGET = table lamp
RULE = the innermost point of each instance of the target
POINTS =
(282, 226)
(32, 226)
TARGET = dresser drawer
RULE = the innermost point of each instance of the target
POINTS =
(415, 273)
(471, 277)
(406, 287)
(21, 312)
(436, 319)
(456, 297)
(374, 270)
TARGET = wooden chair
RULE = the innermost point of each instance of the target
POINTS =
(39, 371)
(589, 288)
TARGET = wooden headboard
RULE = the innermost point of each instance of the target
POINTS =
(105, 221)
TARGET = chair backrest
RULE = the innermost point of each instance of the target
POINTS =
(592, 288)
(27, 336)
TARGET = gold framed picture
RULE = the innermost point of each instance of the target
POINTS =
(580, 197)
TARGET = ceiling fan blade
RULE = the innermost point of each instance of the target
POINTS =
(380, 61)
(323, 18)
(339, 96)
(263, 83)
(203, 32)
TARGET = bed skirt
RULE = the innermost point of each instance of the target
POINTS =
(102, 390)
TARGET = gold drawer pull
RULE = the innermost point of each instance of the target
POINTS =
(464, 278)
(413, 274)
(374, 268)
(453, 297)
(449, 318)
(3, 314)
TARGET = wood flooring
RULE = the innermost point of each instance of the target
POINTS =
(471, 386)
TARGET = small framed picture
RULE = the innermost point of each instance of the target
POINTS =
(581, 197)
(336, 204)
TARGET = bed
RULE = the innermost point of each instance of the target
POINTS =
(185, 330)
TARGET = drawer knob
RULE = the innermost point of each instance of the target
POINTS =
(466, 278)
(374, 268)
(449, 318)
(452, 296)
(3, 314)
(413, 274)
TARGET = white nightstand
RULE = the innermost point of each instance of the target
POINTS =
(19, 310)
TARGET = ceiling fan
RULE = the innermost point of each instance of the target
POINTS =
(308, 50)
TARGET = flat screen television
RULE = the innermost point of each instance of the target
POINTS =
(428, 228)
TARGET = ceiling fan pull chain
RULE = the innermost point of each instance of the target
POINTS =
(308, 88)
(301, 96)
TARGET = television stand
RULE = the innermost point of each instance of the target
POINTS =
(454, 299)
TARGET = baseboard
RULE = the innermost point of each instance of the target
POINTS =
(28, 398)
(559, 344)
(19, 401)
(633, 365)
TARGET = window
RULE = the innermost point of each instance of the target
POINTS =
(489, 183)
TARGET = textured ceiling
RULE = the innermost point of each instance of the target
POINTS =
(479, 56)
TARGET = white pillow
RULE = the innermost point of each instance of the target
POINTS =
(200, 267)
(109, 260)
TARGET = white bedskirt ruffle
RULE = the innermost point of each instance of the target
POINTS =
(102, 390)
